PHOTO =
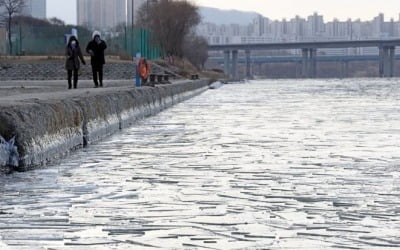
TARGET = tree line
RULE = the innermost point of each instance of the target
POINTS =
(173, 25)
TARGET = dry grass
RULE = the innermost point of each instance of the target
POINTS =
(184, 68)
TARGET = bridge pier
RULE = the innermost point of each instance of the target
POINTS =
(234, 64)
(344, 69)
(304, 63)
(381, 61)
(313, 63)
(227, 58)
(248, 65)
(309, 63)
(299, 70)
(386, 61)
(392, 59)
(231, 64)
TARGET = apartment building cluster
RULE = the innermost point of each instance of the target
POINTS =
(35, 8)
(298, 29)
(106, 14)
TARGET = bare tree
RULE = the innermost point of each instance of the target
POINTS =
(196, 50)
(170, 22)
(12, 7)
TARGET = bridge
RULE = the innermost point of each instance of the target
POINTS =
(309, 54)
(297, 59)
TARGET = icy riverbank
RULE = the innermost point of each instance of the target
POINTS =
(46, 127)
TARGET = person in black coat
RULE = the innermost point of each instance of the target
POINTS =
(73, 54)
(96, 49)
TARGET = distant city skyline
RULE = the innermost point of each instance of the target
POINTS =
(300, 29)
(341, 9)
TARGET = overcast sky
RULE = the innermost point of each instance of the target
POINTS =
(274, 9)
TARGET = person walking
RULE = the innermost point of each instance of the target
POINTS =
(96, 48)
(74, 54)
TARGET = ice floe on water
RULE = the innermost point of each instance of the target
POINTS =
(280, 164)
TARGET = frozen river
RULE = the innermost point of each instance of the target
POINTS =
(266, 165)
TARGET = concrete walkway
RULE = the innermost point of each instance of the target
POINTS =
(14, 91)
(13, 88)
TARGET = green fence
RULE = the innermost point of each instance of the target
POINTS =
(130, 41)
(31, 40)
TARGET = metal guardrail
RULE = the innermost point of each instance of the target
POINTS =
(307, 45)
(288, 59)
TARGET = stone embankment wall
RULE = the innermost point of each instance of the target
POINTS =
(45, 130)
(55, 70)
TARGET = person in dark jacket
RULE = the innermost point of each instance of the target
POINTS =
(96, 49)
(74, 54)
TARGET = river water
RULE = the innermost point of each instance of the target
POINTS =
(286, 164)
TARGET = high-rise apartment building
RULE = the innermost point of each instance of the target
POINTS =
(315, 25)
(101, 14)
(35, 8)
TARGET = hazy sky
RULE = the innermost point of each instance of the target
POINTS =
(63, 9)
(274, 9)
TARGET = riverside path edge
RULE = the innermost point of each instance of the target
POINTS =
(49, 128)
